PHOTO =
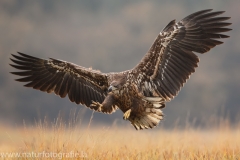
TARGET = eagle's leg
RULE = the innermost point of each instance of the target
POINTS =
(106, 106)
(126, 115)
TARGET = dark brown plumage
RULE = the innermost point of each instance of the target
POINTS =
(141, 92)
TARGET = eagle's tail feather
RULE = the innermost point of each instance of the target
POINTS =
(148, 119)
(150, 116)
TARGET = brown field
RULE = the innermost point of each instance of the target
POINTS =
(61, 140)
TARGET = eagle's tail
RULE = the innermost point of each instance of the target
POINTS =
(151, 116)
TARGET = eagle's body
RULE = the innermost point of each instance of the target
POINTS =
(141, 92)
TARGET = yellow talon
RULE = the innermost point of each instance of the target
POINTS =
(127, 114)
(97, 105)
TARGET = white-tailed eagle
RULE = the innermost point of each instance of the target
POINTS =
(140, 93)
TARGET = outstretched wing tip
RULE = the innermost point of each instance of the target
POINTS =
(57, 76)
(23, 54)
(176, 46)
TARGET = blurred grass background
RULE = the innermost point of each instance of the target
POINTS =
(61, 137)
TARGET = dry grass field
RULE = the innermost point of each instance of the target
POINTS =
(70, 140)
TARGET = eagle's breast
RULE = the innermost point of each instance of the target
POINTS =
(125, 96)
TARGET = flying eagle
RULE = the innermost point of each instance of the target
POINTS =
(140, 93)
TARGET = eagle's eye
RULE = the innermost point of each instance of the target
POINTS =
(111, 88)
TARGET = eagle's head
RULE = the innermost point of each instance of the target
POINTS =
(118, 81)
(115, 86)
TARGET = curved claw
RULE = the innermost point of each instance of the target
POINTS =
(97, 106)
(127, 114)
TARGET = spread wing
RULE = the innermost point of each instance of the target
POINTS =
(81, 84)
(170, 60)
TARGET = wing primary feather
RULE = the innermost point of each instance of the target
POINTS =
(27, 56)
(209, 15)
(176, 74)
(88, 101)
(165, 90)
(169, 87)
(212, 20)
(25, 79)
(49, 85)
(217, 30)
(31, 84)
(59, 83)
(71, 93)
(64, 87)
(20, 67)
(81, 92)
(180, 65)
(191, 16)
(77, 95)
(40, 82)
(24, 58)
(22, 63)
(171, 81)
(25, 73)
(52, 86)
(70, 79)
(216, 25)
(93, 95)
